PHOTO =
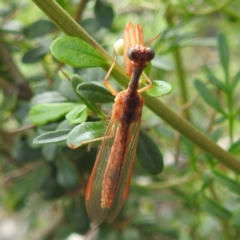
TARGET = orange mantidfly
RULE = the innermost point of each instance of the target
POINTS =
(109, 182)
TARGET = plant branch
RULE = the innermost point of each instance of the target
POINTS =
(179, 71)
(79, 12)
(70, 27)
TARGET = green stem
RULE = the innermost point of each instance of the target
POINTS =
(181, 81)
(169, 184)
(180, 72)
(192, 133)
(69, 26)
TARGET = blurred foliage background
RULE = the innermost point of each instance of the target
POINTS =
(43, 186)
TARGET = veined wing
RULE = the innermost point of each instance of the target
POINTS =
(93, 196)
(122, 175)
(126, 170)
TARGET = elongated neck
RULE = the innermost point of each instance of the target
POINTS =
(133, 85)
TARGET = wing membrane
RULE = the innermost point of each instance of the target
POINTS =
(126, 171)
(96, 213)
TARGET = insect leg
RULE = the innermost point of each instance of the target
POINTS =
(105, 81)
(148, 86)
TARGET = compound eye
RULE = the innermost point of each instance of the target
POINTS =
(132, 54)
(145, 55)
(149, 54)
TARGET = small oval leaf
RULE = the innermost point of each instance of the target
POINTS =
(85, 133)
(160, 88)
(35, 54)
(75, 81)
(94, 93)
(39, 28)
(50, 151)
(67, 91)
(104, 13)
(76, 53)
(149, 155)
(48, 97)
(77, 115)
(44, 113)
(52, 137)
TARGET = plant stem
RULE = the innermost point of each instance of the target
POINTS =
(192, 133)
(70, 27)
(181, 81)
(169, 184)
(180, 72)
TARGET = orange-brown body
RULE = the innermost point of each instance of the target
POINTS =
(109, 182)
(126, 110)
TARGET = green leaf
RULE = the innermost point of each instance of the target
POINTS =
(39, 28)
(67, 175)
(50, 151)
(94, 93)
(76, 53)
(160, 88)
(48, 97)
(77, 115)
(66, 90)
(216, 82)
(44, 113)
(232, 185)
(52, 137)
(235, 147)
(104, 13)
(215, 209)
(85, 133)
(35, 54)
(223, 52)
(208, 96)
(76, 80)
(149, 155)
(235, 81)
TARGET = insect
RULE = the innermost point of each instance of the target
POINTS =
(109, 182)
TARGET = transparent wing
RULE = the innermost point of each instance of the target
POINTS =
(126, 170)
(96, 212)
